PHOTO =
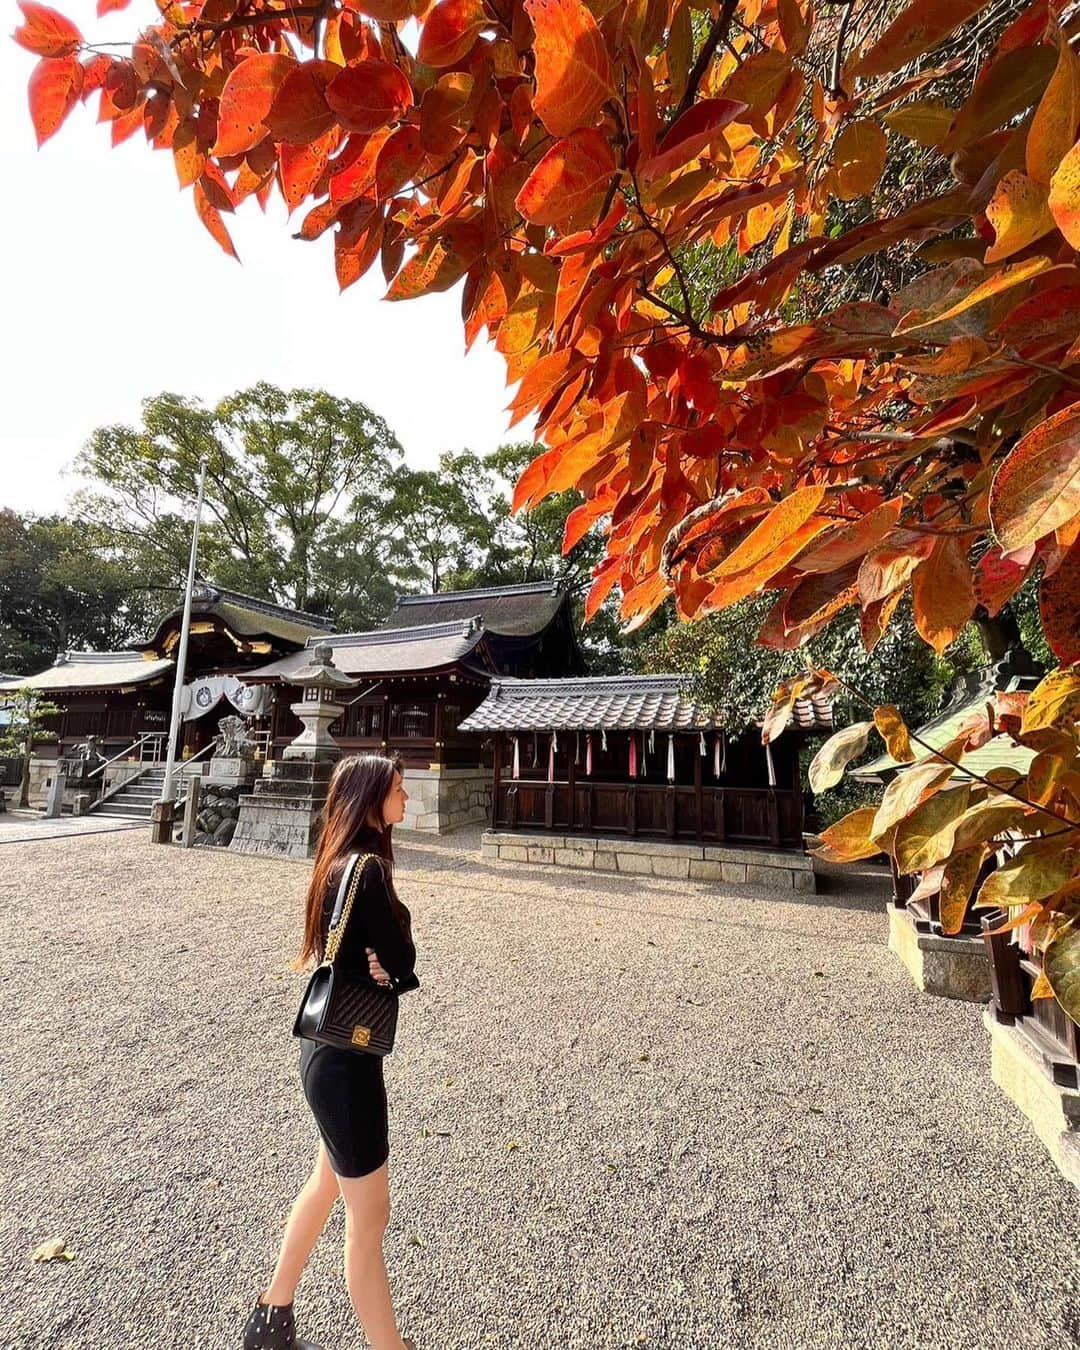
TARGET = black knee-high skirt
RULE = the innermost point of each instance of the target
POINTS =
(347, 1096)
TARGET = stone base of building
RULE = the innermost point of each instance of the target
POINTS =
(1054, 1111)
(441, 799)
(770, 868)
(42, 772)
(948, 967)
(280, 817)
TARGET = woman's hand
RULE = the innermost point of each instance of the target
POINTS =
(376, 971)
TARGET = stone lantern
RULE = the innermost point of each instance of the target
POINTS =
(283, 813)
(320, 680)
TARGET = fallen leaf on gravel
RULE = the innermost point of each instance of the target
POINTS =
(448, 1082)
(643, 1058)
(511, 1145)
(56, 1249)
(415, 1241)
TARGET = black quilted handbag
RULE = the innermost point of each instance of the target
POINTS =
(353, 1014)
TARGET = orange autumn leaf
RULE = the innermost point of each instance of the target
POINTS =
(569, 184)
(46, 32)
(369, 96)
(211, 218)
(573, 71)
(1053, 127)
(858, 159)
(55, 86)
(449, 31)
(299, 111)
(246, 100)
(943, 592)
(919, 27)
(1037, 488)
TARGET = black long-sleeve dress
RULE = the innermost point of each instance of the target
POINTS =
(345, 1088)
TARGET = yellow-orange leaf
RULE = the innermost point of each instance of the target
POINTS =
(573, 72)
(369, 96)
(942, 592)
(1059, 606)
(925, 837)
(894, 732)
(918, 28)
(858, 159)
(1038, 870)
(1053, 128)
(1037, 488)
(906, 791)
(1013, 275)
(957, 879)
(785, 517)
(570, 183)
(922, 121)
(1064, 199)
(1054, 702)
(1018, 213)
(246, 101)
(849, 839)
(828, 765)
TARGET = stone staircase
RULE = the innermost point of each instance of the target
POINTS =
(136, 798)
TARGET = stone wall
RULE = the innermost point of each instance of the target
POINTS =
(694, 862)
(441, 800)
(948, 967)
(42, 770)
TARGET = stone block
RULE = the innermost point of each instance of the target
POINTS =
(1052, 1110)
(733, 871)
(513, 853)
(638, 863)
(603, 861)
(947, 967)
(707, 871)
(778, 878)
(804, 881)
(574, 857)
(665, 866)
(538, 853)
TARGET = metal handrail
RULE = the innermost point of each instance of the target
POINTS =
(148, 736)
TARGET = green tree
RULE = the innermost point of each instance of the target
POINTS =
(442, 522)
(61, 588)
(286, 471)
(27, 711)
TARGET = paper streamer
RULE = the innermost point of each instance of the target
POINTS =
(588, 753)
(515, 772)
(671, 759)
(633, 755)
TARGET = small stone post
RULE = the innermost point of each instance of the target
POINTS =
(191, 811)
(161, 822)
(54, 801)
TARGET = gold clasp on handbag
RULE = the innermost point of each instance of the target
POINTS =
(361, 1035)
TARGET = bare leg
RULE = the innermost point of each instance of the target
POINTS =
(367, 1212)
(310, 1211)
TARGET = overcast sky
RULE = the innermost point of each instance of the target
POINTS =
(111, 291)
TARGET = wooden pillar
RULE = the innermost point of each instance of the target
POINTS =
(496, 778)
(571, 778)
(385, 721)
(439, 727)
(774, 814)
(669, 810)
(631, 804)
(699, 796)
(721, 818)
(1009, 999)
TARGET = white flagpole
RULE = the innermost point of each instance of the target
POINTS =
(167, 794)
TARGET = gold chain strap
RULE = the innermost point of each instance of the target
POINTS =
(337, 932)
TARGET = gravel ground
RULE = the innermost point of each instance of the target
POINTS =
(624, 1112)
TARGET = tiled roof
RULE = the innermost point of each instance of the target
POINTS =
(608, 702)
(383, 651)
(965, 704)
(246, 616)
(92, 670)
(506, 611)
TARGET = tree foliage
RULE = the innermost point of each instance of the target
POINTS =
(566, 160)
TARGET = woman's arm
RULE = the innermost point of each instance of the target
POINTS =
(373, 922)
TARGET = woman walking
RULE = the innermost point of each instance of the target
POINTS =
(344, 1088)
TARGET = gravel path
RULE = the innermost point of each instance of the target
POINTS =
(623, 1113)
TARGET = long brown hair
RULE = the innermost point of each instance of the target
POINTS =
(359, 786)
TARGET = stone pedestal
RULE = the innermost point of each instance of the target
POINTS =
(441, 799)
(948, 967)
(280, 816)
(230, 770)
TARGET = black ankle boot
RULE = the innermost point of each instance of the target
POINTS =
(271, 1327)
